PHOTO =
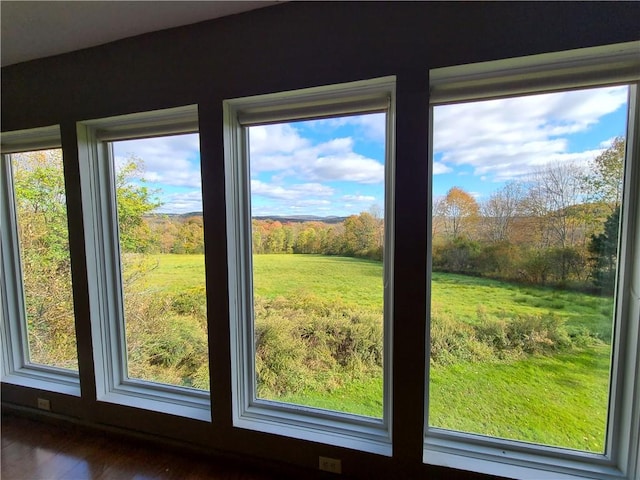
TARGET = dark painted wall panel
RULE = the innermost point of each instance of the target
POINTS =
(296, 45)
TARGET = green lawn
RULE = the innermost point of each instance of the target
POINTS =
(358, 282)
(461, 295)
(352, 281)
(557, 400)
(174, 273)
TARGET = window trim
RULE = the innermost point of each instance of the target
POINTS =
(16, 367)
(103, 261)
(584, 68)
(308, 423)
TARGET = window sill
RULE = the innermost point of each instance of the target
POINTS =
(194, 406)
(369, 437)
(511, 463)
(47, 379)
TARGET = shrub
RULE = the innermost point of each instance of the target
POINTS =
(531, 334)
(304, 342)
(459, 255)
(163, 346)
(191, 302)
(453, 341)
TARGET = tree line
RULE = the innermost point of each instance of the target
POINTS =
(558, 226)
(358, 235)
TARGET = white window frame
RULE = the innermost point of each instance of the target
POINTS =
(584, 68)
(97, 179)
(16, 367)
(250, 412)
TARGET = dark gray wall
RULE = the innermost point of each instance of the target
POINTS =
(289, 46)
(297, 45)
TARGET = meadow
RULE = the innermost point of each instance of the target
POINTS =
(546, 395)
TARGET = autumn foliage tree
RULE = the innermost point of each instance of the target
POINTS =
(460, 213)
(40, 201)
(604, 181)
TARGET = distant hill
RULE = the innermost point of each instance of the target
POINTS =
(173, 215)
(272, 218)
(300, 219)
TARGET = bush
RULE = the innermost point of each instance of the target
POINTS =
(164, 346)
(530, 334)
(459, 255)
(305, 342)
(192, 302)
(495, 338)
(453, 341)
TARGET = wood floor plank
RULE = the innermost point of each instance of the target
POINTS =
(33, 450)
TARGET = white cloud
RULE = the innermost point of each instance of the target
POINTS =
(358, 198)
(505, 138)
(370, 126)
(440, 168)
(348, 166)
(289, 192)
(171, 160)
(280, 138)
(282, 151)
(182, 202)
(607, 143)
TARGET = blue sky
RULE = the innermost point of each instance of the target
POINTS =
(320, 167)
(480, 145)
(336, 166)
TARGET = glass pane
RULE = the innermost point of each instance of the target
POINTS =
(159, 201)
(526, 202)
(317, 199)
(43, 234)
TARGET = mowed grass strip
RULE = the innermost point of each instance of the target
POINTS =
(351, 281)
(358, 282)
(174, 273)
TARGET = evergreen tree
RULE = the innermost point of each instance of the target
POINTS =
(604, 251)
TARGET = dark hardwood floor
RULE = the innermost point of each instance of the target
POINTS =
(34, 450)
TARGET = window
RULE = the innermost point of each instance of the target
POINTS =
(141, 177)
(532, 325)
(38, 320)
(309, 184)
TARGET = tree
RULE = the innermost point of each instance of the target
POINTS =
(500, 211)
(460, 213)
(604, 250)
(134, 200)
(361, 234)
(553, 191)
(190, 236)
(44, 250)
(40, 198)
(604, 182)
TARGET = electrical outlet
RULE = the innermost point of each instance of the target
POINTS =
(333, 465)
(44, 404)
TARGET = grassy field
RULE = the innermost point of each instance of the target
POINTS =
(557, 400)
(358, 282)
